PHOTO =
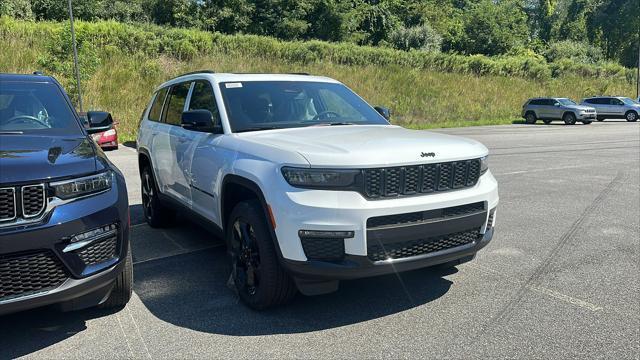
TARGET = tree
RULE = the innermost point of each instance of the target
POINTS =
(494, 28)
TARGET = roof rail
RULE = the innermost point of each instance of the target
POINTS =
(198, 72)
(38, 72)
(299, 73)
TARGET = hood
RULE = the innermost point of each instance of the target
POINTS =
(368, 145)
(37, 157)
(579, 107)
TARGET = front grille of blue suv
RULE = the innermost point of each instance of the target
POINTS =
(64, 212)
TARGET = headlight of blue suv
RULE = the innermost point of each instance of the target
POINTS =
(484, 164)
(319, 178)
(73, 188)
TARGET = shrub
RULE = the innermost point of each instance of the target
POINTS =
(575, 51)
(421, 37)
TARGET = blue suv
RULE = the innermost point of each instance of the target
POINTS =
(64, 213)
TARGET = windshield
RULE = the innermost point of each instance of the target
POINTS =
(35, 108)
(566, 102)
(628, 101)
(261, 105)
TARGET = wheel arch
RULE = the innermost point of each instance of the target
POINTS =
(237, 188)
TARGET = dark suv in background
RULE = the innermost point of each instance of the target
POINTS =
(64, 215)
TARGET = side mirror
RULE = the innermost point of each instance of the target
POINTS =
(200, 120)
(98, 121)
(385, 112)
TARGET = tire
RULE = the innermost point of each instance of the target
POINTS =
(586, 122)
(257, 275)
(155, 212)
(530, 118)
(631, 116)
(547, 122)
(123, 287)
(569, 118)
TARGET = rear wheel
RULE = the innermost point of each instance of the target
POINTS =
(569, 118)
(255, 269)
(123, 287)
(530, 118)
(155, 213)
(631, 116)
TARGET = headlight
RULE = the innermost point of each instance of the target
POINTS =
(319, 178)
(83, 186)
(484, 164)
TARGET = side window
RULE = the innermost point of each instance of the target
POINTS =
(156, 107)
(602, 101)
(175, 103)
(615, 101)
(202, 98)
(549, 102)
(536, 102)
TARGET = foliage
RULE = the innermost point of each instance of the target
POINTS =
(575, 51)
(493, 28)
(488, 27)
(421, 37)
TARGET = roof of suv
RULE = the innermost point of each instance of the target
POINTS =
(26, 77)
(233, 77)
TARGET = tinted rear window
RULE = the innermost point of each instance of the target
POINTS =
(156, 108)
(35, 107)
(175, 103)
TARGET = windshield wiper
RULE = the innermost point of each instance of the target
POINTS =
(337, 123)
(257, 128)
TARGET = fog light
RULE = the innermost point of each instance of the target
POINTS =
(326, 234)
(83, 239)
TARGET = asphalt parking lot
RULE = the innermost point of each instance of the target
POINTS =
(561, 278)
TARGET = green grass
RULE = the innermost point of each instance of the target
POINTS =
(124, 79)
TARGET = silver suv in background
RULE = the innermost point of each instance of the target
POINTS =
(549, 109)
(614, 107)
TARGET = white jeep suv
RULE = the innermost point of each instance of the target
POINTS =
(308, 184)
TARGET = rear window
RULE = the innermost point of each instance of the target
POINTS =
(35, 107)
(156, 108)
(175, 103)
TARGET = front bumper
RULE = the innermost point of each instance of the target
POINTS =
(586, 116)
(355, 267)
(90, 269)
(319, 210)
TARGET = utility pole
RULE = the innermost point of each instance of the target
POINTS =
(75, 57)
(638, 73)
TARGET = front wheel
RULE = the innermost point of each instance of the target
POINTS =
(121, 292)
(155, 212)
(530, 118)
(631, 116)
(569, 118)
(258, 277)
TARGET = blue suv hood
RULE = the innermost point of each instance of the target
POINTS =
(28, 158)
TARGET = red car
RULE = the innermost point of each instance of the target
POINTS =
(107, 139)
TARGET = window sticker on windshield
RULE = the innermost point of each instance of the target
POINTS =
(233, 85)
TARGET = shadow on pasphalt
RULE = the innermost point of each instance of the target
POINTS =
(26, 332)
(191, 291)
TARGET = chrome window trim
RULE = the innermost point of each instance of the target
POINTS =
(44, 200)
(15, 209)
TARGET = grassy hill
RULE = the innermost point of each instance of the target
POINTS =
(122, 64)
